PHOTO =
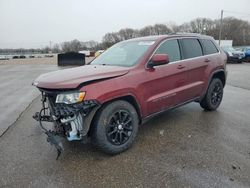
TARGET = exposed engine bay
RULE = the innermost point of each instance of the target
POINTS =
(71, 121)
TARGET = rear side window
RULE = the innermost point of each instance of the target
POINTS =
(208, 47)
(191, 48)
(170, 47)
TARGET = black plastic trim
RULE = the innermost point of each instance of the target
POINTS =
(147, 118)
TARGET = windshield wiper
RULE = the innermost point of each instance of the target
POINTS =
(104, 64)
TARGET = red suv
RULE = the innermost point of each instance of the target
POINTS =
(129, 83)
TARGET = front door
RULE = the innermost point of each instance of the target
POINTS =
(161, 84)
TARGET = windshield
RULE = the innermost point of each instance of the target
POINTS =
(123, 54)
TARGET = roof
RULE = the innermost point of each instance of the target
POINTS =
(160, 37)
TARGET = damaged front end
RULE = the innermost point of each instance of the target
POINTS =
(70, 114)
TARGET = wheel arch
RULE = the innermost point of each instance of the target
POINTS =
(128, 98)
(221, 75)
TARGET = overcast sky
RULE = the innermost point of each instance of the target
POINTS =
(33, 23)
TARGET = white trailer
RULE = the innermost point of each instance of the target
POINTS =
(86, 52)
(225, 43)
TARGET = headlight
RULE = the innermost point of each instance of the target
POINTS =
(230, 54)
(70, 98)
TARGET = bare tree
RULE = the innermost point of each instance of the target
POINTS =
(56, 48)
(126, 34)
(185, 27)
(147, 31)
(110, 38)
(161, 29)
(45, 50)
(237, 30)
(89, 45)
(201, 25)
(72, 46)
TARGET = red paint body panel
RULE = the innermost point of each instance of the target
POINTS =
(154, 89)
(73, 77)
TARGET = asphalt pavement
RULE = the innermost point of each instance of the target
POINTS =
(16, 91)
(185, 147)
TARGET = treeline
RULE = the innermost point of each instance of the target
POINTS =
(232, 29)
(71, 46)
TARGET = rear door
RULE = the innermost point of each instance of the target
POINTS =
(195, 66)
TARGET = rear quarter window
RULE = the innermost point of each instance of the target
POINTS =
(208, 47)
(191, 48)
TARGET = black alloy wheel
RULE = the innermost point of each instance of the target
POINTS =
(213, 97)
(216, 95)
(119, 128)
(115, 127)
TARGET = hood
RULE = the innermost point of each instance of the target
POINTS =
(73, 77)
(238, 52)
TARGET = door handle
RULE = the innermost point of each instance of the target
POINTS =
(180, 66)
(206, 60)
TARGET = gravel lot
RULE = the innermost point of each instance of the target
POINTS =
(185, 147)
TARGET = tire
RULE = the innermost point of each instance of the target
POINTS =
(115, 127)
(214, 95)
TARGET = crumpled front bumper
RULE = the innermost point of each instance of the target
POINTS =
(70, 120)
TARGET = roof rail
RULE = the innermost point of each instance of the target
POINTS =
(190, 34)
(186, 33)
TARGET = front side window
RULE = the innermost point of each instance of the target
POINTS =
(191, 48)
(170, 47)
(208, 47)
(123, 54)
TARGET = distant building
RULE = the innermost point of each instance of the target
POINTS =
(86, 52)
(225, 42)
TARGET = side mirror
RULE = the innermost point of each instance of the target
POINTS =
(158, 59)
